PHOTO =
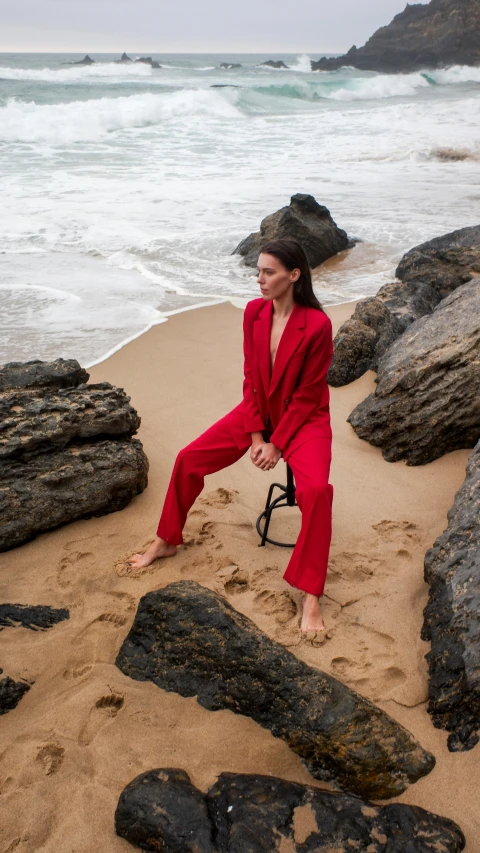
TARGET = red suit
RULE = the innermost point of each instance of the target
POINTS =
(292, 404)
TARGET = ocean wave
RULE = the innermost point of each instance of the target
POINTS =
(455, 74)
(303, 64)
(377, 88)
(78, 73)
(81, 121)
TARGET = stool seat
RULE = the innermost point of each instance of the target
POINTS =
(286, 498)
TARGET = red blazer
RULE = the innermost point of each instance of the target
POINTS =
(296, 397)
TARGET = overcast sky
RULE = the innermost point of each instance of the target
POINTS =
(202, 26)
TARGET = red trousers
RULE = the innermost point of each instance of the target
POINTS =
(310, 462)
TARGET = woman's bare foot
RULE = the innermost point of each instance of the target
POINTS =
(312, 616)
(158, 548)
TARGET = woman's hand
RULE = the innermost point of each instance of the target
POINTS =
(265, 455)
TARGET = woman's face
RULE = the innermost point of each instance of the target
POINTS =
(274, 279)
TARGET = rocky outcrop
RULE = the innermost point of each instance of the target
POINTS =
(35, 617)
(87, 60)
(425, 275)
(10, 693)
(162, 810)
(124, 60)
(273, 63)
(444, 263)
(148, 60)
(442, 32)
(427, 399)
(452, 616)
(65, 449)
(306, 221)
(187, 639)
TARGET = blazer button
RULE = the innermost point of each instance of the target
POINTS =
(254, 390)
(287, 400)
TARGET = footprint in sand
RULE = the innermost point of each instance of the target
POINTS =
(72, 566)
(374, 667)
(50, 756)
(232, 580)
(276, 603)
(105, 708)
(116, 619)
(77, 672)
(219, 498)
(392, 530)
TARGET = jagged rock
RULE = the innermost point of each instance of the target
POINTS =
(87, 60)
(42, 491)
(65, 449)
(442, 32)
(444, 263)
(229, 66)
(187, 639)
(35, 617)
(452, 616)
(124, 59)
(362, 340)
(147, 60)
(162, 810)
(306, 221)
(273, 63)
(42, 374)
(10, 693)
(30, 421)
(427, 400)
(428, 273)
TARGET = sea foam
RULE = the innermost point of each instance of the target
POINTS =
(91, 120)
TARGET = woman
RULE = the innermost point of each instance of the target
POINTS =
(284, 412)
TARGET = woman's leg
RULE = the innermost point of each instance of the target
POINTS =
(210, 452)
(307, 568)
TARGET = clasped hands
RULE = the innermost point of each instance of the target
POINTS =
(264, 455)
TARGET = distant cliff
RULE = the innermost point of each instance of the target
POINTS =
(442, 32)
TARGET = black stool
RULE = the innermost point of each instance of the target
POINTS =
(287, 498)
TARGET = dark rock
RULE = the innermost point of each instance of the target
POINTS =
(376, 323)
(442, 32)
(87, 60)
(147, 60)
(224, 86)
(189, 640)
(306, 221)
(162, 810)
(56, 463)
(428, 273)
(229, 66)
(42, 491)
(444, 263)
(35, 617)
(42, 374)
(124, 59)
(362, 340)
(10, 693)
(273, 63)
(427, 400)
(30, 421)
(452, 616)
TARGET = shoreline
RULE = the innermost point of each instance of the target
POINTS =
(84, 730)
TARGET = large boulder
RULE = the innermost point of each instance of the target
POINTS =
(187, 639)
(306, 221)
(442, 32)
(427, 399)
(162, 810)
(273, 63)
(66, 450)
(452, 616)
(425, 275)
(444, 263)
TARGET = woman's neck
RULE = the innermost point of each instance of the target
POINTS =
(283, 307)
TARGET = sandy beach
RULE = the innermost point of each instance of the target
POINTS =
(85, 730)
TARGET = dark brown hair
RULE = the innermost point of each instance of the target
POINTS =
(292, 256)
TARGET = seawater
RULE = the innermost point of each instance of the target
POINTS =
(125, 188)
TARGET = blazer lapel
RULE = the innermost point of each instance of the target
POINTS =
(261, 340)
(292, 336)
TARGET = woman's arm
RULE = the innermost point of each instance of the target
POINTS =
(307, 395)
(252, 419)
